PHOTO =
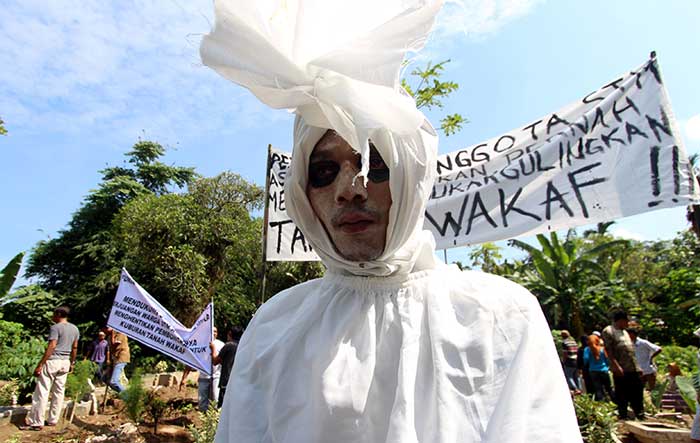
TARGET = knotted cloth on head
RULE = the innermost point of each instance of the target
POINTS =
(335, 63)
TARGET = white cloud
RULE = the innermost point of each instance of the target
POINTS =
(115, 67)
(131, 66)
(692, 128)
(478, 18)
(624, 233)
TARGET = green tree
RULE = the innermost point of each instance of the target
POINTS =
(196, 246)
(430, 91)
(561, 275)
(32, 307)
(486, 256)
(79, 263)
(3, 131)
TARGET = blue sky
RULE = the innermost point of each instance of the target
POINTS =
(81, 82)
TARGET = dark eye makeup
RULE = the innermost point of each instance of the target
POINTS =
(323, 172)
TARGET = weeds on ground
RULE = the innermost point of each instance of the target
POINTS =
(77, 382)
(134, 397)
(9, 392)
(596, 419)
(206, 432)
(156, 408)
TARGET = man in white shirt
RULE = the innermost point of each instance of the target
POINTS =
(207, 386)
(645, 352)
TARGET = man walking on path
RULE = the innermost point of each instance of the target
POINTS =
(52, 370)
(627, 374)
(119, 350)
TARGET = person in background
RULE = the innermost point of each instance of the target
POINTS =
(627, 374)
(225, 357)
(596, 360)
(645, 351)
(695, 430)
(207, 387)
(582, 368)
(569, 354)
(99, 354)
(120, 356)
(52, 371)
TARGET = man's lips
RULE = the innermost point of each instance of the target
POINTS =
(354, 222)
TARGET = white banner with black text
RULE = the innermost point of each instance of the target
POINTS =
(140, 317)
(617, 152)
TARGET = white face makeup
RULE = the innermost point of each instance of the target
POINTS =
(354, 217)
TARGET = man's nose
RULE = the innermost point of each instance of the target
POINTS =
(346, 190)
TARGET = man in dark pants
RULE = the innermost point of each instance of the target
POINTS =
(225, 358)
(627, 374)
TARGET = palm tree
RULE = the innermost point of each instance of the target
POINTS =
(561, 273)
(8, 275)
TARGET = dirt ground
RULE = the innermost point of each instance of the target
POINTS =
(171, 428)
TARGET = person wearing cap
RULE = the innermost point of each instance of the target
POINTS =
(390, 345)
(627, 374)
(99, 354)
(645, 351)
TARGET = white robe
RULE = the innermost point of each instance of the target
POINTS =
(437, 356)
(400, 348)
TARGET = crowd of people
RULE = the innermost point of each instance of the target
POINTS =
(110, 353)
(618, 350)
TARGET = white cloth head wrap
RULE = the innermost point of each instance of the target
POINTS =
(337, 65)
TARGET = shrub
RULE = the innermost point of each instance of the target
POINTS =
(77, 383)
(8, 393)
(155, 407)
(19, 354)
(685, 357)
(596, 419)
(161, 366)
(655, 396)
(134, 397)
(687, 391)
(206, 432)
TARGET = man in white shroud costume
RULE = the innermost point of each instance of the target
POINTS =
(390, 345)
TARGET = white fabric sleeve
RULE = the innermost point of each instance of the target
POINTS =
(243, 416)
(535, 404)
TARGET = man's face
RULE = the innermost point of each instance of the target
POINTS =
(622, 323)
(216, 333)
(354, 217)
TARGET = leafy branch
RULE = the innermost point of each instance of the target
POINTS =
(430, 92)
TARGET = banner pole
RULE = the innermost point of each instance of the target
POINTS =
(263, 283)
(211, 360)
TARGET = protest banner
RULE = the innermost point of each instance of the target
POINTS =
(285, 242)
(138, 315)
(617, 152)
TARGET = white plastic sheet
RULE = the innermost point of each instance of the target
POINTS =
(335, 63)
